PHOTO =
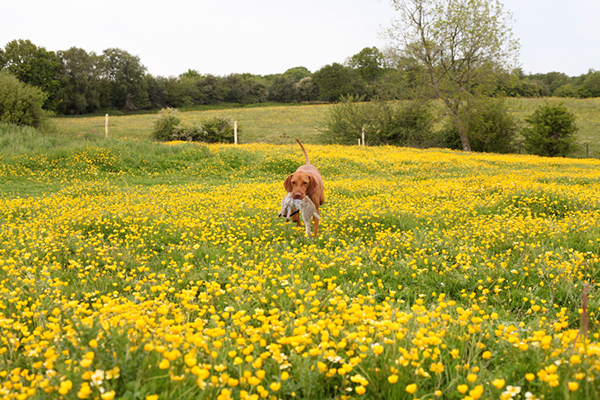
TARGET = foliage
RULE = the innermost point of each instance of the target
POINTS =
(218, 130)
(385, 123)
(20, 103)
(335, 81)
(169, 127)
(551, 131)
(164, 126)
(124, 74)
(283, 90)
(492, 128)
(33, 65)
(143, 270)
(461, 45)
(369, 62)
(80, 90)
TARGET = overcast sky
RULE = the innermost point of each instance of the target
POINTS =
(270, 36)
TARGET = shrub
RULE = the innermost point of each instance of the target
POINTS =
(218, 130)
(168, 127)
(492, 129)
(551, 131)
(20, 103)
(385, 123)
(166, 124)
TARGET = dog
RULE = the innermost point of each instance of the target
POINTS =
(289, 206)
(306, 181)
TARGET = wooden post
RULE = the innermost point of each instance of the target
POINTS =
(235, 138)
(106, 126)
(363, 135)
(359, 141)
(587, 150)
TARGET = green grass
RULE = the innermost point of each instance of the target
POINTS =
(120, 248)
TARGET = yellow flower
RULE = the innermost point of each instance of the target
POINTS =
(152, 397)
(411, 388)
(575, 359)
(164, 364)
(65, 386)
(471, 378)
(530, 377)
(393, 379)
(486, 355)
(360, 389)
(573, 386)
(462, 388)
(498, 383)
(108, 395)
(275, 386)
(377, 349)
(476, 392)
(284, 376)
(437, 368)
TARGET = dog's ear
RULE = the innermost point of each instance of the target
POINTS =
(313, 186)
(287, 184)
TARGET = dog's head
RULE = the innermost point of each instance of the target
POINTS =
(300, 184)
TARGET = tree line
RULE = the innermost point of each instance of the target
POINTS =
(76, 81)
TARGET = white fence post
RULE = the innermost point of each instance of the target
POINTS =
(106, 126)
(363, 135)
(235, 138)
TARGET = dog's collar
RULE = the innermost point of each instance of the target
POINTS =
(295, 212)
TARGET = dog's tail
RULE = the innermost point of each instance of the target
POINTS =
(305, 154)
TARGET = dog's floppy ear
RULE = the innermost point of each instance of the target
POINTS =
(287, 184)
(313, 185)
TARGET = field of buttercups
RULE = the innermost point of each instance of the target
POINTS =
(436, 274)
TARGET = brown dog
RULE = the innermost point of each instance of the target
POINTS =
(306, 181)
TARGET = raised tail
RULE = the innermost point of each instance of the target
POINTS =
(305, 154)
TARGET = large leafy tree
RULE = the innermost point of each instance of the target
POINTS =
(33, 65)
(369, 62)
(335, 81)
(124, 75)
(461, 46)
(80, 81)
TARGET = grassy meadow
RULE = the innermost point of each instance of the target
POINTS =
(140, 270)
(280, 124)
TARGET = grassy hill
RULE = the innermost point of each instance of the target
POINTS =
(279, 124)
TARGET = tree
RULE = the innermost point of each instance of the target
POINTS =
(33, 65)
(492, 129)
(369, 63)
(307, 89)
(79, 92)
(551, 132)
(20, 103)
(283, 90)
(125, 78)
(334, 81)
(461, 45)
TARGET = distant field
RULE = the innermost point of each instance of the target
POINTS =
(279, 124)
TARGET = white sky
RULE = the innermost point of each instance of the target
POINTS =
(270, 36)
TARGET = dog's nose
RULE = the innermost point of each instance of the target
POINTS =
(297, 195)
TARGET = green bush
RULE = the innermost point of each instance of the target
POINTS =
(168, 126)
(385, 123)
(165, 125)
(20, 103)
(551, 131)
(492, 129)
(218, 130)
